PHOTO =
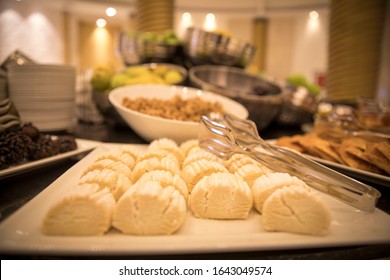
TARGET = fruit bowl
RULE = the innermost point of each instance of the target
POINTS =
(148, 47)
(149, 73)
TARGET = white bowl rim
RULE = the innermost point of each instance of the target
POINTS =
(180, 89)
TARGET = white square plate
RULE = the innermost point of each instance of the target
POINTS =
(20, 233)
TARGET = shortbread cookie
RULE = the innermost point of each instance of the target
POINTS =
(115, 182)
(119, 155)
(196, 170)
(87, 210)
(166, 179)
(117, 166)
(250, 172)
(187, 146)
(166, 163)
(238, 160)
(168, 145)
(221, 196)
(148, 208)
(296, 210)
(198, 153)
(157, 153)
(265, 185)
(131, 150)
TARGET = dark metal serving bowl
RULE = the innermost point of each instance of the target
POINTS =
(262, 98)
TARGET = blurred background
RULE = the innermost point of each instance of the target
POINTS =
(66, 31)
(341, 47)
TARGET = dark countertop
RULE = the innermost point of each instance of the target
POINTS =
(17, 190)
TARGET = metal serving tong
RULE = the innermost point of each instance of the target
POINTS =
(225, 135)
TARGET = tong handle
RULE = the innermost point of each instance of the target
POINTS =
(367, 133)
(232, 135)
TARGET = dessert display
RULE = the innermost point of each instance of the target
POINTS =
(167, 183)
(24, 142)
(367, 154)
(355, 137)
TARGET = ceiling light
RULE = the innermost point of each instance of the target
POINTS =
(186, 17)
(110, 11)
(313, 15)
(101, 22)
(210, 22)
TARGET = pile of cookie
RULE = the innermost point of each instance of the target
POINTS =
(368, 154)
(151, 191)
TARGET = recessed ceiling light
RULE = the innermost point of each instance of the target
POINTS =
(101, 22)
(313, 15)
(110, 11)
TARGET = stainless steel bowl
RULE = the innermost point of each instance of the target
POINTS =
(134, 50)
(262, 98)
(204, 47)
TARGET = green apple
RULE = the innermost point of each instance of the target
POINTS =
(119, 79)
(101, 78)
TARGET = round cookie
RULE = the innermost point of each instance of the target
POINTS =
(221, 196)
(148, 208)
(296, 210)
(86, 210)
(168, 145)
(106, 163)
(166, 179)
(166, 163)
(265, 185)
(250, 172)
(196, 170)
(117, 183)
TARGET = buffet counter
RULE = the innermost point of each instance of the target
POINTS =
(19, 189)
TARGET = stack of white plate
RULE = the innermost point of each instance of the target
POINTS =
(44, 94)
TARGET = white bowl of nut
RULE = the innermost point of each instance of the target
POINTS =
(163, 111)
